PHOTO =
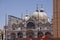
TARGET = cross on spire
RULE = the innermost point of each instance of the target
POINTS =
(41, 5)
(41, 10)
(26, 12)
(37, 7)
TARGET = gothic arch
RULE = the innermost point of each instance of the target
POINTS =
(32, 21)
(30, 25)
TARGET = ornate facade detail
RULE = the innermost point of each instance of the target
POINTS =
(30, 26)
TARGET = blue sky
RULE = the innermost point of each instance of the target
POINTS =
(16, 7)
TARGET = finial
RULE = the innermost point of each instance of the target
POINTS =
(26, 12)
(41, 10)
(21, 15)
(37, 7)
(41, 5)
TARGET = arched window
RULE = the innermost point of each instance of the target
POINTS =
(30, 25)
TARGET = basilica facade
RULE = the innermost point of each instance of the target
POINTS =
(36, 25)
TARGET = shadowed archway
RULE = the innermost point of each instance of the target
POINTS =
(29, 34)
(20, 35)
(13, 36)
(48, 34)
(40, 34)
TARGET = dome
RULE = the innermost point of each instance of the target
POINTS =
(41, 14)
(26, 18)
